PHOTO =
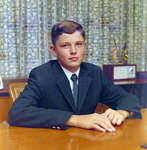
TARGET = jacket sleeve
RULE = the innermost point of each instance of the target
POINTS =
(26, 110)
(118, 99)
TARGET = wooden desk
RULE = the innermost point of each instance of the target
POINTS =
(5, 105)
(136, 87)
(129, 136)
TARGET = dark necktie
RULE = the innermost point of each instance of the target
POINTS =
(75, 88)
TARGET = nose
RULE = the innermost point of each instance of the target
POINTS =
(73, 50)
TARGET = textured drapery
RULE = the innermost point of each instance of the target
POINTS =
(25, 31)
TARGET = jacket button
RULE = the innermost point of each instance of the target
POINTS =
(53, 127)
(58, 128)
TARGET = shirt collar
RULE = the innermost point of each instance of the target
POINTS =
(69, 74)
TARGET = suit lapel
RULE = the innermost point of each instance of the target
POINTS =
(84, 83)
(63, 84)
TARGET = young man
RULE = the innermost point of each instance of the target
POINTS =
(47, 101)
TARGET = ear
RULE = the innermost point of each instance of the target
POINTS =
(53, 50)
(85, 46)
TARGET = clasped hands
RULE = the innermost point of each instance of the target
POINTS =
(101, 122)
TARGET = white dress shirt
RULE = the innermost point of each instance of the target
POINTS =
(69, 74)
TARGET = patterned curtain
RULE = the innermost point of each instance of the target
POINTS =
(25, 31)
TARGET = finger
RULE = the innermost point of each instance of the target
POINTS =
(97, 127)
(112, 116)
(107, 126)
(109, 111)
(106, 123)
(119, 121)
(103, 122)
(114, 120)
(106, 113)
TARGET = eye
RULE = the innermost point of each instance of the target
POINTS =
(64, 46)
(79, 44)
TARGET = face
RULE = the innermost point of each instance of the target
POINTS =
(69, 50)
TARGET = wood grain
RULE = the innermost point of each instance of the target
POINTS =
(129, 136)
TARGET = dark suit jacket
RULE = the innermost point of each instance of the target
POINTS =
(47, 100)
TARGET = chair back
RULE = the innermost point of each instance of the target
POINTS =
(15, 89)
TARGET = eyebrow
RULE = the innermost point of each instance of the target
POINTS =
(75, 42)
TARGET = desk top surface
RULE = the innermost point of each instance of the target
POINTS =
(129, 136)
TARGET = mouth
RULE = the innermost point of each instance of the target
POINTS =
(74, 58)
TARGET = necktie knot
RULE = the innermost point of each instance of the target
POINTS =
(74, 77)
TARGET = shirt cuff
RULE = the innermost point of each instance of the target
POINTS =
(131, 114)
